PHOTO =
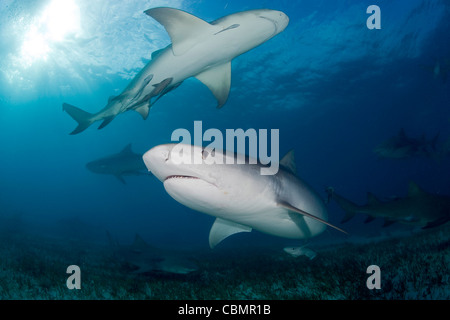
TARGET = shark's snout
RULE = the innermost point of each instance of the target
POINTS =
(155, 158)
(282, 21)
(279, 19)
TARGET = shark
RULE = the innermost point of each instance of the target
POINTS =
(418, 208)
(199, 49)
(402, 146)
(237, 194)
(140, 257)
(126, 162)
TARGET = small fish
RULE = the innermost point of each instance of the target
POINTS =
(300, 251)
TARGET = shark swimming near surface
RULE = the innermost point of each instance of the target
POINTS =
(418, 208)
(238, 195)
(199, 49)
(126, 162)
(140, 257)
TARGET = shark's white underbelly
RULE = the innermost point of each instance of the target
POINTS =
(259, 212)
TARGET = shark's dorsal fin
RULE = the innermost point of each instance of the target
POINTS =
(372, 200)
(218, 80)
(288, 162)
(184, 29)
(290, 207)
(414, 190)
(222, 229)
(127, 149)
(139, 243)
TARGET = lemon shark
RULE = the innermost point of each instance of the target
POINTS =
(238, 195)
(418, 208)
(125, 162)
(199, 49)
(140, 257)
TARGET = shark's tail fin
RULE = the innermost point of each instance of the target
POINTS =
(83, 118)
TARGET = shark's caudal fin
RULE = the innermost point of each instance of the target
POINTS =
(83, 118)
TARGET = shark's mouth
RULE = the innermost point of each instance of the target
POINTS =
(180, 177)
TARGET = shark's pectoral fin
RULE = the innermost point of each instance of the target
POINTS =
(184, 29)
(388, 222)
(120, 178)
(222, 229)
(306, 214)
(437, 222)
(218, 80)
(106, 122)
(369, 219)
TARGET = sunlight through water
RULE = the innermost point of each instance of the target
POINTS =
(58, 20)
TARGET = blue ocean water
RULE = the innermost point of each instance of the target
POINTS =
(334, 88)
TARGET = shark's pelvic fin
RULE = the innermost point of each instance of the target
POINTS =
(106, 121)
(218, 80)
(306, 214)
(184, 29)
(288, 162)
(222, 229)
(83, 118)
(143, 110)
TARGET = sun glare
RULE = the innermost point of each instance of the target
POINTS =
(58, 20)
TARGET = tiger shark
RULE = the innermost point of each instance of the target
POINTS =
(125, 162)
(199, 49)
(238, 195)
(418, 208)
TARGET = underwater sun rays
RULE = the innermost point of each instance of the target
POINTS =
(58, 20)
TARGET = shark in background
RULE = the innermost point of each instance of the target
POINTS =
(402, 146)
(199, 49)
(418, 208)
(439, 69)
(140, 257)
(126, 162)
(238, 195)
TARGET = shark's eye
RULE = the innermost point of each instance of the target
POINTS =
(166, 155)
(205, 154)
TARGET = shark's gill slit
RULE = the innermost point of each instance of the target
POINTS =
(180, 177)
